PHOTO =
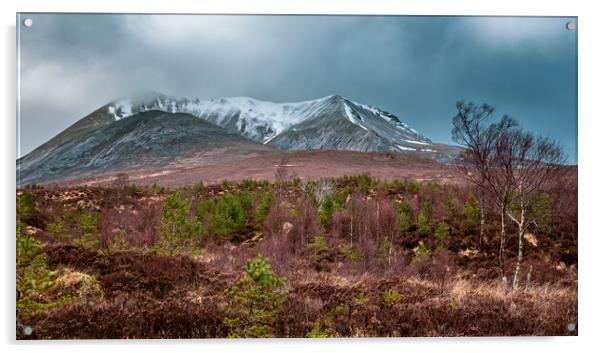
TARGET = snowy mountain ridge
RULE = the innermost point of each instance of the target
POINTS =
(263, 121)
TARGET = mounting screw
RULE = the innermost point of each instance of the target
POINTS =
(570, 26)
(28, 22)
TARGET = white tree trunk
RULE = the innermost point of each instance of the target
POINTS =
(528, 282)
(502, 262)
(390, 249)
(351, 230)
(519, 256)
(377, 221)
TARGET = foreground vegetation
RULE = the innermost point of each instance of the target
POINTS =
(351, 256)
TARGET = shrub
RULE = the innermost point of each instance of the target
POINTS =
(442, 231)
(226, 216)
(326, 210)
(88, 230)
(364, 182)
(78, 222)
(249, 184)
(348, 253)
(423, 225)
(426, 208)
(396, 185)
(440, 268)
(255, 301)
(199, 188)
(157, 189)
(316, 332)
(361, 299)
(30, 262)
(33, 279)
(231, 214)
(132, 190)
(26, 207)
(57, 230)
(421, 259)
(433, 186)
(296, 182)
(340, 196)
(423, 221)
(414, 187)
(226, 185)
(263, 208)
(391, 296)
(176, 225)
(450, 209)
(470, 220)
(318, 248)
(405, 216)
(385, 250)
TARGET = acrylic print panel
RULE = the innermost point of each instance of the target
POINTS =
(204, 176)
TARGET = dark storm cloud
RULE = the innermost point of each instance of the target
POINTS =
(414, 67)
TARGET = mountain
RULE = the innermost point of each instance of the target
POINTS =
(340, 124)
(155, 132)
(99, 144)
(331, 122)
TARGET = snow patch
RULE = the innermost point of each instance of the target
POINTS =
(262, 121)
(417, 142)
(371, 109)
(402, 148)
(121, 109)
(349, 113)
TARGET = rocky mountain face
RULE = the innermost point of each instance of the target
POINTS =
(157, 131)
(144, 141)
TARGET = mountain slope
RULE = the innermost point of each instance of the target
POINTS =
(56, 146)
(143, 141)
(282, 124)
(345, 125)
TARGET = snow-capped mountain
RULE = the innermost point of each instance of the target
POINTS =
(143, 142)
(283, 124)
(341, 124)
(156, 131)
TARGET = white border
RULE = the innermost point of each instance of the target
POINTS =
(589, 176)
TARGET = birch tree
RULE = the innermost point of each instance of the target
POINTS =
(510, 165)
(531, 163)
(473, 129)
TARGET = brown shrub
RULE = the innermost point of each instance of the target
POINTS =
(305, 226)
(146, 316)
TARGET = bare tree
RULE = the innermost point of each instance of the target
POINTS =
(323, 188)
(282, 176)
(386, 220)
(531, 163)
(479, 162)
(510, 165)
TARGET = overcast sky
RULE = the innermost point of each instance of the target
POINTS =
(413, 67)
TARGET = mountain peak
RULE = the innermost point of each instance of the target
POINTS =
(263, 121)
(335, 98)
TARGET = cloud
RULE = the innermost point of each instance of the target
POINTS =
(514, 33)
(414, 67)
